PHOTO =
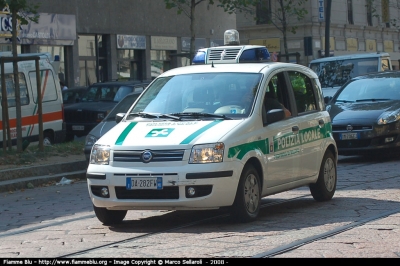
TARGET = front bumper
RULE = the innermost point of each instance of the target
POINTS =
(215, 185)
(87, 127)
(378, 138)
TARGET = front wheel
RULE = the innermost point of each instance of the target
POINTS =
(108, 217)
(325, 187)
(248, 196)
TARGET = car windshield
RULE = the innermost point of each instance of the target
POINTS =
(200, 96)
(337, 73)
(108, 93)
(371, 89)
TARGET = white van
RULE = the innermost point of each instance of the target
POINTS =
(223, 133)
(334, 72)
(52, 104)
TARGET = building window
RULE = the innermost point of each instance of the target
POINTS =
(55, 50)
(350, 11)
(160, 62)
(369, 12)
(87, 60)
(385, 13)
(263, 12)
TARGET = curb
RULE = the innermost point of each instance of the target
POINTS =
(36, 181)
(35, 176)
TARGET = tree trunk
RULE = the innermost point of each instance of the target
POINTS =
(192, 29)
(16, 82)
(284, 30)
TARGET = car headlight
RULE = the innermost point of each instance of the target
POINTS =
(389, 117)
(207, 153)
(90, 140)
(100, 154)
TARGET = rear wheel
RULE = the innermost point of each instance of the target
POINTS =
(326, 184)
(248, 196)
(109, 217)
(48, 138)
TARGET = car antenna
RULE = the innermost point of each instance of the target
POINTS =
(212, 63)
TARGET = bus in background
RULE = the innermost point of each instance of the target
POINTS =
(335, 71)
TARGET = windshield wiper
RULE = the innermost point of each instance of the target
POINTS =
(372, 100)
(155, 115)
(344, 101)
(198, 115)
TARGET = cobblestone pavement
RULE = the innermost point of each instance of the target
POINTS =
(58, 220)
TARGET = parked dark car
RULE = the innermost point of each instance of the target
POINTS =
(73, 95)
(98, 101)
(109, 121)
(365, 114)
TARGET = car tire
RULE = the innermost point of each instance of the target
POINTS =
(325, 187)
(246, 206)
(108, 217)
(48, 139)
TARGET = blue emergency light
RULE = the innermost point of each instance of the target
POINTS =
(200, 57)
(232, 52)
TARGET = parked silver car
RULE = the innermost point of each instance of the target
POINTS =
(109, 121)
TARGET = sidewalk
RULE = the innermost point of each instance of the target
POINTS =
(46, 172)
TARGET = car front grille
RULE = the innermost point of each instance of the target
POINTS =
(158, 155)
(150, 194)
(344, 128)
(74, 116)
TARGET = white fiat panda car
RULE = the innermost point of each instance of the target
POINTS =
(225, 132)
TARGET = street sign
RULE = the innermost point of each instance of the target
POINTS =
(321, 11)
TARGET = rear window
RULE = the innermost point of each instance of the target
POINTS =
(337, 73)
(108, 93)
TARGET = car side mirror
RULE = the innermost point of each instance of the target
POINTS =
(327, 99)
(275, 115)
(119, 117)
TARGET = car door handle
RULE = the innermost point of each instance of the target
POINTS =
(295, 129)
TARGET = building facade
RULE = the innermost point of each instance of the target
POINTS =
(356, 26)
(103, 40)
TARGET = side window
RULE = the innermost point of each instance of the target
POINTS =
(24, 96)
(303, 92)
(122, 92)
(48, 85)
(276, 95)
(385, 64)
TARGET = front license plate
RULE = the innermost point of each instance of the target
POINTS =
(346, 136)
(144, 183)
(78, 127)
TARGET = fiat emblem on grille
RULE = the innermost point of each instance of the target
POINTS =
(146, 156)
(349, 128)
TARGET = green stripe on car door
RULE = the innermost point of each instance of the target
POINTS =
(125, 133)
(200, 131)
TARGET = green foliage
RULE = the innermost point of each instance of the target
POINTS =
(25, 11)
(233, 6)
(184, 6)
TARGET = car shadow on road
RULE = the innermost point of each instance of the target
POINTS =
(298, 214)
